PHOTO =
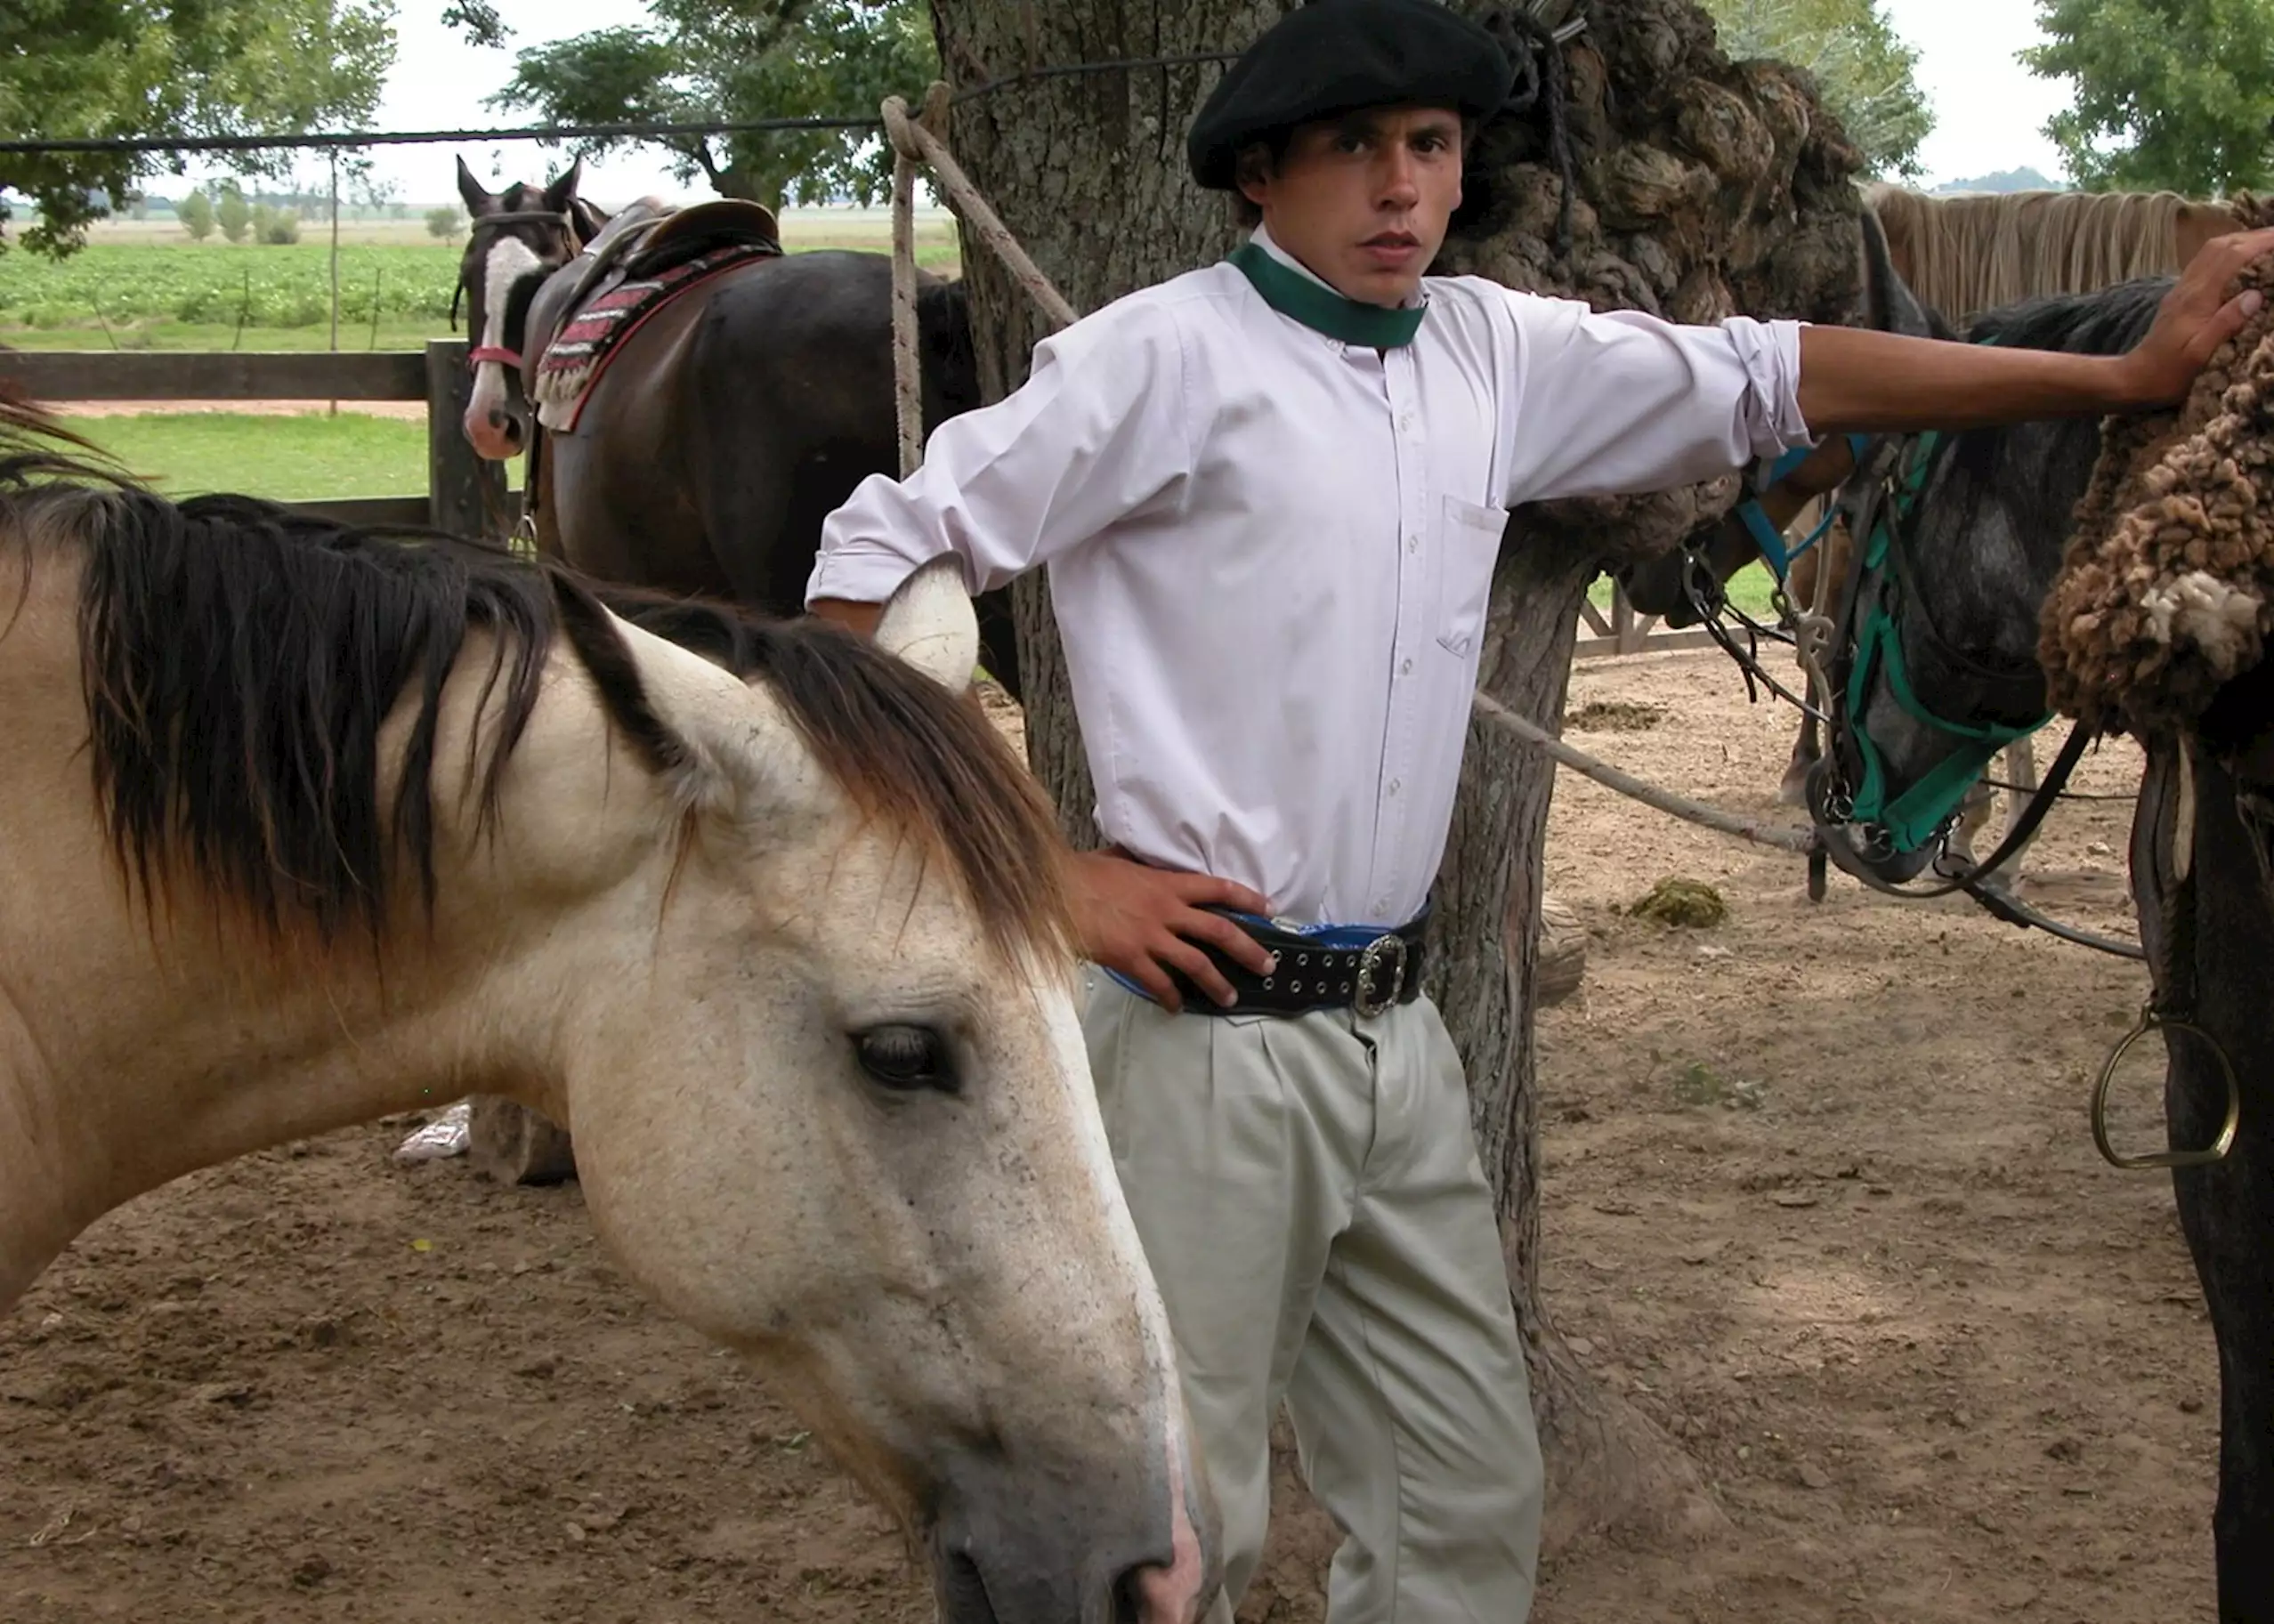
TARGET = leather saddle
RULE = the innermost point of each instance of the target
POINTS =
(641, 239)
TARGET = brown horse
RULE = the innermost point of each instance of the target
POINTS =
(724, 429)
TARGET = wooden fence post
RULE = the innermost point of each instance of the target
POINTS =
(465, 493)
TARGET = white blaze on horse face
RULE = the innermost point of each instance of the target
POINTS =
(509, 261)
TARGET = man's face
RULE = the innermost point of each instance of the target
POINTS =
(1363, 200)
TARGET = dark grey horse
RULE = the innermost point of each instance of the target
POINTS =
(1976, 550)
(726, 427)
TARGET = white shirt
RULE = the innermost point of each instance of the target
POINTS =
(1270, 552)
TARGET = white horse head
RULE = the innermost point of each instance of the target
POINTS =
(775, 930)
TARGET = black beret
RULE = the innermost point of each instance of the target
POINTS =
(1333, 57)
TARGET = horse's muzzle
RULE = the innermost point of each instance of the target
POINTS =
(1047, 1547)
(1859, 846)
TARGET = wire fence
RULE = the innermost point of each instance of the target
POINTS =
(345, 139)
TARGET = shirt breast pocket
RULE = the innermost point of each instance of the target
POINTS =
(1468, 541)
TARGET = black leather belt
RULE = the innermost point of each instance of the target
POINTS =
(1369, 979)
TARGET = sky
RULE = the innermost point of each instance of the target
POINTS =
(1989, 110)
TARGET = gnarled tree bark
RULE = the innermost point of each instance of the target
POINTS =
(1704, 189)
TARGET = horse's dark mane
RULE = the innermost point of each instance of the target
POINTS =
(239, 660)
(2107, 321)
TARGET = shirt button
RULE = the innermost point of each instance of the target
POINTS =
(1405, 669)
(1396, 785)
(1412, 544)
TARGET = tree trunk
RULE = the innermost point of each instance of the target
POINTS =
(1704, 188)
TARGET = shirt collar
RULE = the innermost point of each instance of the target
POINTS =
(1262, 239)
(1302, 296)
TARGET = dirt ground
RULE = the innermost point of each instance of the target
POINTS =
(1820, 1198)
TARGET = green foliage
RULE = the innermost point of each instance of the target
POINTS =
(445, 223)
(277, 228)
(82, 68)
(743, 60)
(233, 213)
(196, 213)
(1862, 67)
(2170, 94)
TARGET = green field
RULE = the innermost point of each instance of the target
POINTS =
(294, 458)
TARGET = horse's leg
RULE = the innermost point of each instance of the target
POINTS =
(1974, 812)
(2225, 1210)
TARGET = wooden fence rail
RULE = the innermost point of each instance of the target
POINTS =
(465, 494)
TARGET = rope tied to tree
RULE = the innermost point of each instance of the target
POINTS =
(918, 141)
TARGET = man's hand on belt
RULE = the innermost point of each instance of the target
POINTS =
(1134, 918)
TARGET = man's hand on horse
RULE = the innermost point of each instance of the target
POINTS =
(2201, 312)
(1856, 381)
(1138, 919)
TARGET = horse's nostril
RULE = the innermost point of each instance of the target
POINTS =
(1127, 1608)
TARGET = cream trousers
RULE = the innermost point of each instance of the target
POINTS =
(1309, 1198)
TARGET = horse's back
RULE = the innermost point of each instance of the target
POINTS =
(790, 406)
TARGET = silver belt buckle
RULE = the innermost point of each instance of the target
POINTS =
(1393, 948)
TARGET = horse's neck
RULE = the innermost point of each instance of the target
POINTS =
(139, 1043)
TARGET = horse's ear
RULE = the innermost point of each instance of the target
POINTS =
(562, 193)
(588, 219)
(1889, 306)
(479, 200)
(930, 622)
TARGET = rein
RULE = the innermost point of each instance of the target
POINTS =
(1849, 786)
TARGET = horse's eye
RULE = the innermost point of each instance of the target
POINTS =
(906, 1058)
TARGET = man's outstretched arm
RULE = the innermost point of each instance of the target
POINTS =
(1853, 381)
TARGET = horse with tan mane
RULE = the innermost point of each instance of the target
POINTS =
(1964, 252)
(300, 825)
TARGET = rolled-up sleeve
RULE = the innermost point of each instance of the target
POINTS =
(1103, 429)
(1624, 402)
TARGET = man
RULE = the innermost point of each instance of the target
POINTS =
(1270, 493)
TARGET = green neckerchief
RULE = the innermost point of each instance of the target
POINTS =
(1323, 309)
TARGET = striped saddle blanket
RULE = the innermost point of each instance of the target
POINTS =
(592, 333)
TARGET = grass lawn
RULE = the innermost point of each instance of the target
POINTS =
(294, 458)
